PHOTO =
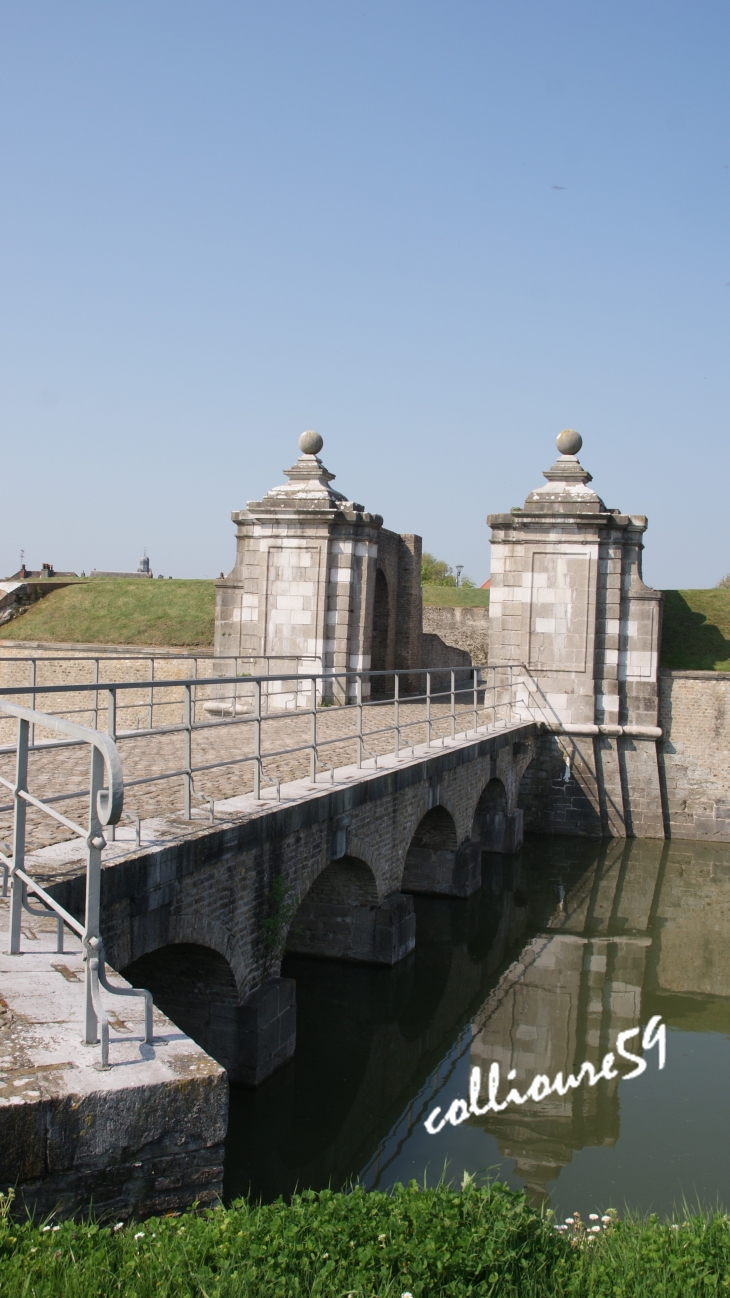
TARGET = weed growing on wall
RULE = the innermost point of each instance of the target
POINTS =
(280, 913)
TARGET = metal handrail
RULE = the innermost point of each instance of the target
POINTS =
(106, 801)
(474, 685)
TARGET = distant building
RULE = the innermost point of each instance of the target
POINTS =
(39, 574)
(142, 571)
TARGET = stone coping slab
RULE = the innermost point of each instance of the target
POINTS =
(144, 1136)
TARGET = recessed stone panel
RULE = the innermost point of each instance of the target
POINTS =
(559, 610)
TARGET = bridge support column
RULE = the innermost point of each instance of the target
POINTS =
(443, 872)
(366, 934)
(252, 1039)
(503, 832)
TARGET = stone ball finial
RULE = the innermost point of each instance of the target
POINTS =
(310, 442)
(568, 442)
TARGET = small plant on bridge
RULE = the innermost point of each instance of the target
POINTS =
(280, 913)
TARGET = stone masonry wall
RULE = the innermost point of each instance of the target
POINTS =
(678, 787)
(466, 629)
(694, 756)
(212, 889)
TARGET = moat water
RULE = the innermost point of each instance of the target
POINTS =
(564, 948)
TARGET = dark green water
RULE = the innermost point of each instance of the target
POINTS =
(564, 947)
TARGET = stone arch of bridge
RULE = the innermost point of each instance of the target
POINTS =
(334, 910)
(493, 803)
(431, 851)
(341, 918)
(193, 985)
(358, 847)
(195, 931)
(410, 825)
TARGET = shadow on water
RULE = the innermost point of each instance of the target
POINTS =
(563, 948)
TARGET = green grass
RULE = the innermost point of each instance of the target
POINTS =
(132, 612)
(696, 630)
(453, 597)
(429, 1243)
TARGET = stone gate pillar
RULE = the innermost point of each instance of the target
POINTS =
(303, 583)
(568, 603)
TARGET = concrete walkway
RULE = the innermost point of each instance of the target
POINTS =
(144, 1137)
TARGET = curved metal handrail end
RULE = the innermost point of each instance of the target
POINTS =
(110, 801)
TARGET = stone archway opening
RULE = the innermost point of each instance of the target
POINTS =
(495, 827)
(381, 627)
(340, 918)
(193, 985)
(436, 864)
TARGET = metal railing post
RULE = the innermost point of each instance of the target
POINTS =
(358, 697)
(187, 722)
(257, 742)
(93, 897)
(313, 735)
(396, 714)
(453, 703)
(16, 884)
(94, 1015)
(33, 697)
(428, 709)
(111, 729)
(105, 808)
(96, 694)
(152, 689)
(476, 701)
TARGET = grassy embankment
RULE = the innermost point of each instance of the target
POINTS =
(696, 630)
(696, 634)
(132, 612)
(425, 1243)
(451, 597)
(138, 612)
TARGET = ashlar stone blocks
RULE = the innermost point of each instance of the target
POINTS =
(569, 605)
(304, 593)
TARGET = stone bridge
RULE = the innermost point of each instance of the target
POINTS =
(330, 871)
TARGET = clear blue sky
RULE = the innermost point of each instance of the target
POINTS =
(438, 233)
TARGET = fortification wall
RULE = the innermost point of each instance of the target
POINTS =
(458, 628)
(694, 756)
(678, 787)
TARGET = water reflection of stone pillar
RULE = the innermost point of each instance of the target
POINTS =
(562, 1003)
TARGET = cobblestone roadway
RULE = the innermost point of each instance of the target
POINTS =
(60, 770)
